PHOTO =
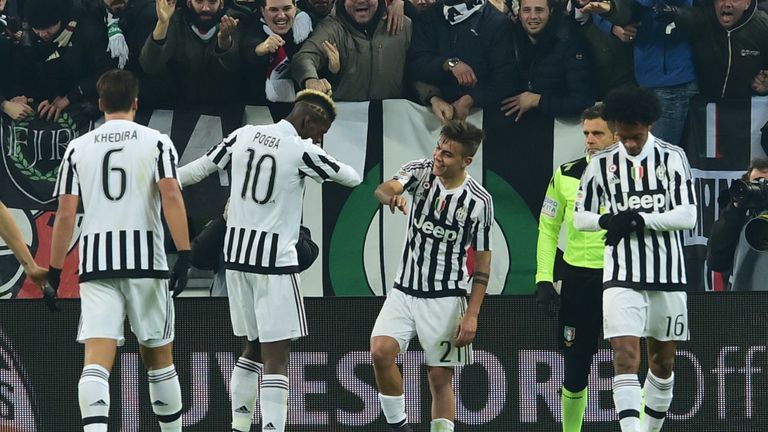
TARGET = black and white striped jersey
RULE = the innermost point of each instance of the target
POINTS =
(442, 225)
(269, 164)
(656, 183)
(115, 169)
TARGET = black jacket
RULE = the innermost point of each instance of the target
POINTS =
(724, 236)
(74, 72)
(557, 67)
(726, 60)
(483, 41)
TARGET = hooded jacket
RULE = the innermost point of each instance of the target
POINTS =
(726, 60)
(372, 60)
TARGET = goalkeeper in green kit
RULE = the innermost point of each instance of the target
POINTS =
(581, 294)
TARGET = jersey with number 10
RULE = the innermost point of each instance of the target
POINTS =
(115, 169)
(269, 164)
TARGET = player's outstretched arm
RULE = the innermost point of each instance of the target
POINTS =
(12, 236)
(467, 329)
(391, 193)
(196, 171)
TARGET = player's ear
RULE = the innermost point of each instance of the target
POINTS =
(135, 104)
(101, 105)
(468, 160)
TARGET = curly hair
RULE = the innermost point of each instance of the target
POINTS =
(631, 105)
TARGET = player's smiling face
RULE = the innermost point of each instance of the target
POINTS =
(448, 159)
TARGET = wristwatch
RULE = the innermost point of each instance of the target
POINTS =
(453, 62)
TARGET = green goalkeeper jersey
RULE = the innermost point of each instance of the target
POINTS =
(582, 249)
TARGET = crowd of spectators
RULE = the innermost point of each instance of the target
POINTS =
(453, 55)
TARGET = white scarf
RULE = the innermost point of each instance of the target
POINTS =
(278, 87)
(458, 12)
(3, 20)
(207, 35)
(62, 40)
(117, 46)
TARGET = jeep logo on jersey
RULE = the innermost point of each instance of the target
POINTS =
(647, 201)
(436, 230)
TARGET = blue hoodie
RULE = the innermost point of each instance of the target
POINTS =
(661, 60)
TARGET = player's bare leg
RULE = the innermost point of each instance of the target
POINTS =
(443, 398)
(659, 383)
(164, 388)
(93, 388)
(274, 385)
(244, 385)
(627, 395)
(389, 380)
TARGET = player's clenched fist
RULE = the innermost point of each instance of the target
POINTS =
(398, 202)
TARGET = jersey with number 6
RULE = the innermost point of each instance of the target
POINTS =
(115, 169)
(269, 164)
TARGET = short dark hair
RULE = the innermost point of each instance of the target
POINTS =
(593, 112)
(630, 105)
(117, 90)
(464, 133)
(759, 163)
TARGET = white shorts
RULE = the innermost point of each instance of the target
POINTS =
(147, 303)
(433, 320)
(660, 315)
(269, 308)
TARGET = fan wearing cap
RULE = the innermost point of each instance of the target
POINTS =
(465, 51)
(65, 59)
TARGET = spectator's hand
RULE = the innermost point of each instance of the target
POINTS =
(180, 273)
(321, 85)
(760, 82)
(625, 34)
(466, 331)
(270, 45)
(227, 27)
(442, 109)
(51, 289)
(334, 62)
(597, 7)
(23, 99)
(395, 16)
(398, 202)
(16, 110)
(547, 298)
(462, 106)
(520, 104)
(664, 12)
(464, 74)
(579, 4)
(52, 110)
(165, 10)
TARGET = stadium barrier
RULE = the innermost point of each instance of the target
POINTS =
(721, 382)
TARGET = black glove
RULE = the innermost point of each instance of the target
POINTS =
(51, 289)
(620, 225)
(306, 249)
(180, 273)
(665, 13)
(547, 299)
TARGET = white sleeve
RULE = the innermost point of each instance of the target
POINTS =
(321, 167)
(196, 171)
